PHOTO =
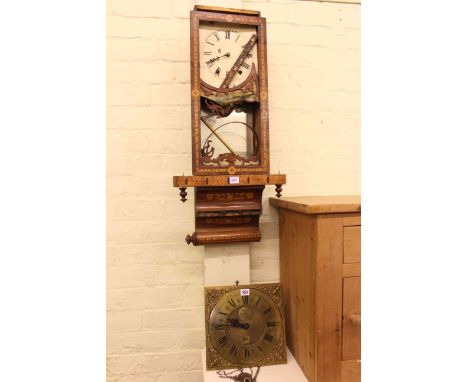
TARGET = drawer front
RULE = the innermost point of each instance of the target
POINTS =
(351, 344)
(351, 244)
(351, 371)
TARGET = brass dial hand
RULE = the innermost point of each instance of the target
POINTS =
(236, 324)
(239, 61)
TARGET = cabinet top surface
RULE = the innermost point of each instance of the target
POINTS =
(319, 204)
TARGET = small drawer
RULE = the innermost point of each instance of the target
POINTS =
(351, 344)
(351, 244)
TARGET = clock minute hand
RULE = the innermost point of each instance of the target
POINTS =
(211, 60)
(239, 61)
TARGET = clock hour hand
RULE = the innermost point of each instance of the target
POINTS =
(236, 324)
(239, 61)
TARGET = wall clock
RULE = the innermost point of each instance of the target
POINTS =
(229, 117)
(244, 326)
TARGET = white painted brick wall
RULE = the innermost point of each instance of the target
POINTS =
(154, 281)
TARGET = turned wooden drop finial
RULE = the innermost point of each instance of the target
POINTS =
(189, 239)
(278, 190)
(183, 194)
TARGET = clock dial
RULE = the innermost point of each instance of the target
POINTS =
(245, 329)
(220, 47)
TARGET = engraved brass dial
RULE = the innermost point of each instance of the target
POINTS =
(245, 329)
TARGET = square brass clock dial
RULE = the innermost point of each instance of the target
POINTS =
(244, 326)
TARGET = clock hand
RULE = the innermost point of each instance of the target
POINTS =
(236, 324)
(211, 60)
(239, 61)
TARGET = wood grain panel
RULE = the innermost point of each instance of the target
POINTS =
(351, 371)
(328, 294)
(351, 219)
(352, 244)
(351, 270)
(296, 270)
(351, 348)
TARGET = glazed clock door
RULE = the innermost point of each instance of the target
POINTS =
(229, 97)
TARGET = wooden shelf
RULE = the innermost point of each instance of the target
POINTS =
(319, 204)
(223, 180)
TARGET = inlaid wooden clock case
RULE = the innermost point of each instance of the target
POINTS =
(199, 87)
(225, 210)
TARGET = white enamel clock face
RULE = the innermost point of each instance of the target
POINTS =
(220, 46)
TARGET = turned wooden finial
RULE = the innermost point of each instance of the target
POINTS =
(183, 194)
(278, 190)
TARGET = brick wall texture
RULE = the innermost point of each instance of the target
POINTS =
(154, 280)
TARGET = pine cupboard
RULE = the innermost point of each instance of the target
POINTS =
(320, 273)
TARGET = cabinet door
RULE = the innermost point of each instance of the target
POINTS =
(351, 345)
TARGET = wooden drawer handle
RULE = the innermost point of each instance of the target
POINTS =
(355, 319)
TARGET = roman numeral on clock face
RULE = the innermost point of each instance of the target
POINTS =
(233, 350)
(231, 301)
(268, 337)
(223, 341)
(271, 324)
(246, 353)
(245, 300)
(228, 35)
(245, 65)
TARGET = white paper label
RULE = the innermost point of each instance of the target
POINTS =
(245, 292)
(233, 180)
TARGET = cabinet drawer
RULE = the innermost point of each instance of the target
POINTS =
(352, 244)
(351, 371)
(351, 345)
